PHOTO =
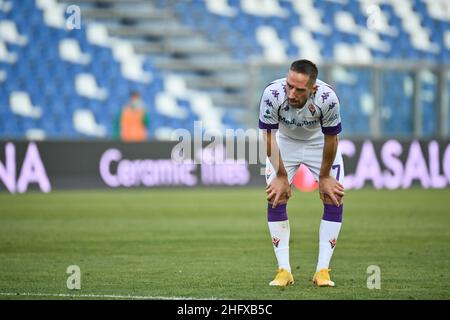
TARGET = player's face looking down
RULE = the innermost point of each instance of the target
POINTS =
(298, 88)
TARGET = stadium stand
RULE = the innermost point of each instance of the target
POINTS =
(190, 61)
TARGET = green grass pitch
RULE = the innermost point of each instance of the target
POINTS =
(214, 243)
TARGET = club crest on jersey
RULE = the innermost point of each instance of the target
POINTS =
(312, 109)
(275, 241)
(333, 243)
(268, 172)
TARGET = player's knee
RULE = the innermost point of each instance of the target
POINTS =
(282, 200)
(327, 200)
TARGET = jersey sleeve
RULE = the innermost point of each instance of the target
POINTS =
(268, 111)
(331, 118)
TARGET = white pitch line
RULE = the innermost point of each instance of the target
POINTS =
(111, 296)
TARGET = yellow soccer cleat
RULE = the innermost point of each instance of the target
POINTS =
(283, 278)
(322, 278)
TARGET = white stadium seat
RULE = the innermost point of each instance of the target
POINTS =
(345, 22)
(264, 8)
(167, 105)
(341, 75)
(308, 47)
(347, 54)
(86, 86)
(411, 22)
(203, 107)
(5, 6)
(362, 54)
(376, 18)
(221, 7)
(3, 75)
(274, 48)
(438, 9)
(35, 134)
(20, 104)
(131, 63)
(447, 39)
(310, 17)
(132, 70)
(84, 122)
(176, 86)
(372, 40)
(5, 55)
(343, 53)
(164, 133)
(367, 104)
(69, 50)
(97, 34)
(54, 13)
(9, 33)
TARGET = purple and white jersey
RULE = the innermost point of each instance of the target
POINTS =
(320, 114)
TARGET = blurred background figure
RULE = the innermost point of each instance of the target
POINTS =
(133, 121)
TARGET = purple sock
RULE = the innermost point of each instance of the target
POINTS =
(332, 213)
(278, 213)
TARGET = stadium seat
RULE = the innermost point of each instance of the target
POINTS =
(84, 122)
(69, 50)
(5, 55)
(221, 7)
(167, 105)
(21, 104)
(9, 33)
(273, 46)
(86, 86)
(263, 8)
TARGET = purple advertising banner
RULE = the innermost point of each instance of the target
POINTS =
(54, 165)
(392, 164)
(47, 166)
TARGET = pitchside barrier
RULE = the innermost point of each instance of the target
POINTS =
(58, 165)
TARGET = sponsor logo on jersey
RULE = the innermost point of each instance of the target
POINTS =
(299, 124)
(275, 241)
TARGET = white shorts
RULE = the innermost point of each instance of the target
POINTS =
(295, 152)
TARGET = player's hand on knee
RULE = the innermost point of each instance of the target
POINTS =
(330, 190)
(284, 198)
(326, 199)
(278, 191)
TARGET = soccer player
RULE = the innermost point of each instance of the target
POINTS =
(301, 122)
